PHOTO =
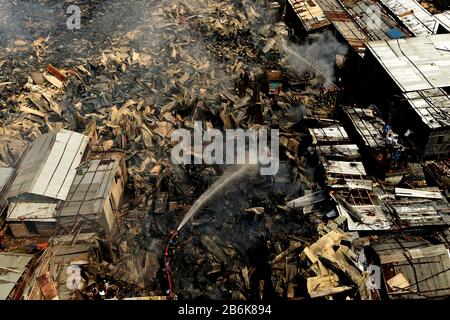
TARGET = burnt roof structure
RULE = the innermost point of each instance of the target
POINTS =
(90, 191)
(413, 16)
(420, 69)
(356, 21)
(414, 269)
(433, 107)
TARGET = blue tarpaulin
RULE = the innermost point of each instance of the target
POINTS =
(395, 33)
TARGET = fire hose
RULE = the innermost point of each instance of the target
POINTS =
(171, 241)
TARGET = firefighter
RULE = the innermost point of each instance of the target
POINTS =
(386, 129)
(322, 92)
(243, 82)
(389, 140)
(331, 93)
(172, 242)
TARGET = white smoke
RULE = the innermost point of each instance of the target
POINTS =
(317, 57)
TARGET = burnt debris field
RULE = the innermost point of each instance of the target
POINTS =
(233, 149)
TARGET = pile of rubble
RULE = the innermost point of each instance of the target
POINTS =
(131, 98)
(163, 66)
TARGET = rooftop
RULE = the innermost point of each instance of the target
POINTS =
(12, 266)
(433, 106)
(419, 212)
(339, 152)
(90, 189)
(49, 166)
(5, 174)
(329, 135)
(419, 63)
(373, 20)
(415, 17)
(345, 174)
(414, 269)
(310, 13)
(444, 19)
(369, 126)
(354, 20)
(32, 211)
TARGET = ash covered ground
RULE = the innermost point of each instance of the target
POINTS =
(142, 69)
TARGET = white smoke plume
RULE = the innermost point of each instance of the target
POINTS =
(318, 57)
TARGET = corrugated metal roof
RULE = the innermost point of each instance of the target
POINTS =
(417, 213)
(359, 21)
(344, 167)
(31, 211)
(310, 14)
(426, 268)
(353, 35)
(372, 19)
(369, 125)
(374, 218)
(91, 236)
(329, 135)
(340, 151)
(90, 188)
(418, 63)
(433, 107)
(353, 19)
(49, 167)
(415, 17)
(345, 24)
(12, 266)
(444, 19)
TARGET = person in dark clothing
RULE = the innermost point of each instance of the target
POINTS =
(243, 82)
(322, 92)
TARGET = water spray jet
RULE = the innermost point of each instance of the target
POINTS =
(218, 186)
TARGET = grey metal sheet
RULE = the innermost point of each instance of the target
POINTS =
(415, 17)
(428, 274)
(339, 151)
(444, 19)
(12, 266)
(49, 166)
(419, 63)
(31, 211)
(433, 107)
(91, 187)
(310, 14)
(60, 169)
(329, 135)
(369, 125)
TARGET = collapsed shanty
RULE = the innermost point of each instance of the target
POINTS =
(94, 207)
(59, 182)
